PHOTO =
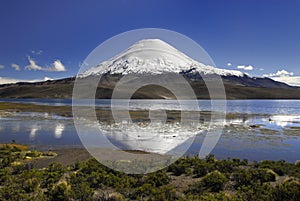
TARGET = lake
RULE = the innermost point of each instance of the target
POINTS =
(256, 129)
(239, 106)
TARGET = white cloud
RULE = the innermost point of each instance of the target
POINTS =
(280, 73)
(15, 66)
(285, 76)
(57, 66)
(2, 66)
(47, 78)
(244, 67)
(229, 64)
(7, 80)
(293, 81)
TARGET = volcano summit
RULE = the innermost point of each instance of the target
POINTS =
(155, 56)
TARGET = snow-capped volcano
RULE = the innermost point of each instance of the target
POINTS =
(155, 56)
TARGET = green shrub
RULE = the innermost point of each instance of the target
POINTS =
(212, 182)
(288, 191)
(59, 192)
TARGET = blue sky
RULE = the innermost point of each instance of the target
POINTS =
(262, 37)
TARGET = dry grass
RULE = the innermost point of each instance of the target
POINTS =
(18, 146)
(27, 107)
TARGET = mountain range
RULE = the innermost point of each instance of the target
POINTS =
(156, 58)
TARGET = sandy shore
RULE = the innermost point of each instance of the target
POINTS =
(68, 156)
(65, 156)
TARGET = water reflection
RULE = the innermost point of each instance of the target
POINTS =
(242, 131)
(275, 122)
(285, 120)
(59, 128)
(46, 115)
(33, 131)
(238, 121)
(156, 137)
(16, 128)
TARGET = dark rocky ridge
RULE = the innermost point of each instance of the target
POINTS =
(236, 88)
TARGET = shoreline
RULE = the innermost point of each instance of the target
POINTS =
(71, 155)
(65, 156)
(238, 128)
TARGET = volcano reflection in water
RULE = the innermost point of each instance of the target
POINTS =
(155, 137)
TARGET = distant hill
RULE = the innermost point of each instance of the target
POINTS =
(235, 87)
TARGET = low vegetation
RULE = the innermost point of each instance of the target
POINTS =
(189, 178)
(29, 107)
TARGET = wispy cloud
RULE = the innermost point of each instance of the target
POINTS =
(32, 65)
(7, 80)
(37, 52)
(245, 67)
(15, 66)
(56, 66)
(2, 66)
(229, 64)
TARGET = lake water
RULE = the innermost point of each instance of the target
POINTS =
(239, 106)
(256, 130)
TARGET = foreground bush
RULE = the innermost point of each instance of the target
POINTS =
(189, 178)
